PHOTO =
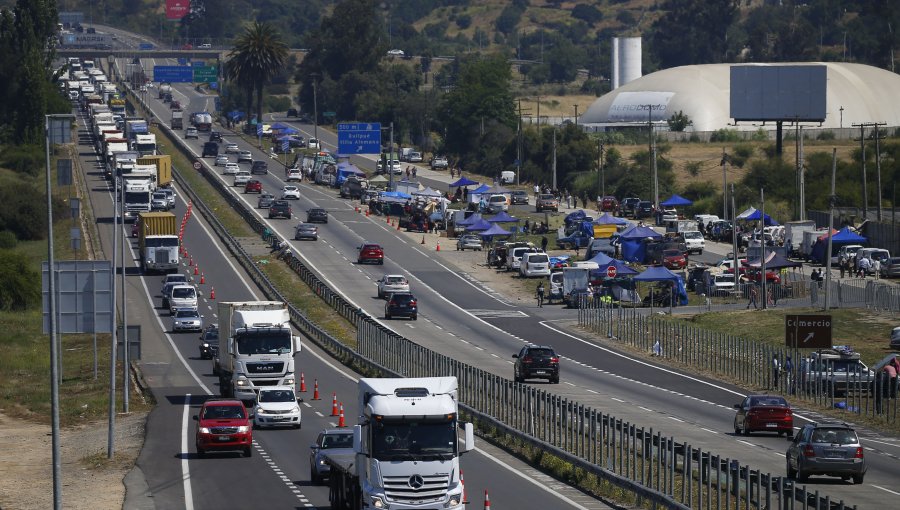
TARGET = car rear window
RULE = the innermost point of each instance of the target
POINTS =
(402, 298)
(395, 279)
(541, 352)
(768, 401)
(835, 436)
(538, 259)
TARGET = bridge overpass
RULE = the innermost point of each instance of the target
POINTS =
(131, 53)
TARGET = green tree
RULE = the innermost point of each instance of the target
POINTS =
(679, 121)
(258, 55)
(692, 32)
(20, 285)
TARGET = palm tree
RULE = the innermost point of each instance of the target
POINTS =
(258, 55)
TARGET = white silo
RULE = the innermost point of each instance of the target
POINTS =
(626, 60)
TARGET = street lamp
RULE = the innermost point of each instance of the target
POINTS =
(841, 109)
(315, 77)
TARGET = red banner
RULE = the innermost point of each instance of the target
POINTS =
(177, 9)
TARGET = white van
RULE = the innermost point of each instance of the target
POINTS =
(507, 177)
(556, 286)
(498, 203)
(514, 257)
(184, 297)
(534, 264)
(693, 240)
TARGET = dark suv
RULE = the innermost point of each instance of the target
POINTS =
(644, 209)
(628, 206)
(215, 136)
(317, 215)
(210, 149)
(259, 167)
(829, 448)
(280, 209)
(402, 304)
(536, 362)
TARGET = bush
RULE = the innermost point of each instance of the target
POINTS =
(24, 159)
(20, 285)
(464, 21)
(7, 240)
(760, 135)
(278, 89)
(725, 135)
(693, 168)
(277, 103)
(826, 135)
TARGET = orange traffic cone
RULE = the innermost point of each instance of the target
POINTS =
(316, 390)
(341, 423)
(423, 239)
(191, 263)
(367, 213)
(388, 219)
(334, 408)
(197, 269)
(487, 500)
(462, 480)
(398, 225)
(302, 383)
(202, 279)
(212, 293)
(356, 208)
(438, 246)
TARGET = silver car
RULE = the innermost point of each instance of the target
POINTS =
(159, 202)
(232, 148)
(469, 242)
(328, 441)
(187, 320)
(221, 160)
(245, 157)
(830, 448)
(170, 196)
(306, 231)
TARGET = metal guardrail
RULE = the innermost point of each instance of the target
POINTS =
(655, 469)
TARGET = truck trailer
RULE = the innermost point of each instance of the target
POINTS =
(158, 242)
(163, 163)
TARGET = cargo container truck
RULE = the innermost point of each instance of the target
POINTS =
(158, 242)
(163, 163)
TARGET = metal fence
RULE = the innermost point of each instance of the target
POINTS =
(655, 469)
(858, 293)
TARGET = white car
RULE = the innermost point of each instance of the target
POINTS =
(391, 283)
(231, 169)
(182, 297)
(290, 193)
(221, 160)
(276, 406)
(295, 175)
(396, 53)
(170, 196)
(187, 320)
(313, 143)
(693, 241)
(241, 178)
(232, 148)
(534, 264)
(245, 157)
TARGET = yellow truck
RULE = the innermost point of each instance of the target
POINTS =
(163, 164)
(158, 242)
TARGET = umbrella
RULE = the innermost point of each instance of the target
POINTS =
(462, 182)
(503, 217)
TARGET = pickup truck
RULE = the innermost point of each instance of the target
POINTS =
(545, 202)
(439, 162)
(577, 239)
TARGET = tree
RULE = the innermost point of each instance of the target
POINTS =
(679, 121)
(692, 32)
(258, 55)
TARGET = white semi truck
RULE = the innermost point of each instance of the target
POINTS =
(256, 348)
(405, 447)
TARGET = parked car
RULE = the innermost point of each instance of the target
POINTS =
(253, 186)
(674, 259)
(241, 178)
(536, 362)
(191, 132)
(891, 268)
(469, 242)
(209, 342)
(259, 167)
(231, 169)
(187, 320)
(546, 202)
(534, 264)
(280, 209)
(223, 425)
(245, 157)
(497, 203)
(327, 442)
(608, 204)
(764, 413)
(414, 157)
(317, 215)
(306, 231)
(401, 304)
(290, 192)
(579, 239)
(370, 252)
(439, 163)
(277, 406)
(265, 200)
(222, 160)
(644, 209)
(232, 148)
(314, 143)
(628, 206)
(828, 448)
(519, 197)
(391, 283)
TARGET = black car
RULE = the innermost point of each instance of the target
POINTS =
(519, 197)
(644, 209)
(536, 362)
(210, 149)
(209, 342)
(259, 167)
(292, 112)
(265, 200)
(401, 304)
(280, 209)
(317, 215)
(215, 136)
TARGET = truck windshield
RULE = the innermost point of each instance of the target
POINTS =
(414, 440)
(161, 242)
(264, 342)
(137, 196)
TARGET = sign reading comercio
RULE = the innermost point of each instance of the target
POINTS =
(807, 331)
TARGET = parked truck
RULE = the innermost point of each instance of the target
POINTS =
(257, 348)
(177, 119)
(405, 447)
(163, 163)
(158, 242)
(793, 235)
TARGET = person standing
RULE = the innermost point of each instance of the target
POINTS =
(789, 374)
(776, 369)
(754, 294)
(864, 265)
(876, 267)
(544, 244)
(540, 295)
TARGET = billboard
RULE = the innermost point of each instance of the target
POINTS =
(177, 9)
(778, 92)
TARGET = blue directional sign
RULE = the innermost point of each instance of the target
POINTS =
(259, 130)
(173, 74)
(145, 46)
(285, 146)
(359, 138)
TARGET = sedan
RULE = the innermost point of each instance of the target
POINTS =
(327, 442)
(317, 215)
(674, 259)
(187, 320)
(295, 175)
(370, 252)
(221, 160)
(306, 231)
(519, 197)
(265, 200)
(290, 193)
(764, 413)
(245, 157)
(231, 169)
(232, 148)
(253, 186)
(401, 304)
(241, 178)
(391, 283)
(469, 241)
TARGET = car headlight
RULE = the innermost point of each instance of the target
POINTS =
(454, 501)
(289, 381)
(260, 410)
(204, 430)
(322, 462)
(243, 429)
(377, 502)
(242, 382)
(296, 409)
(206, 345)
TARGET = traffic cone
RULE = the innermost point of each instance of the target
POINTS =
(202, 278)
(341, 423)
(438, 246)
(388, 219)
(487, 500)
(356, 208)
(462, 480)
(398, 225)
(316, 390)
(334, 408)
(191, 263)
(302, 383)
(196, 270)
(367, 213)
(212, 293)
(423, 239)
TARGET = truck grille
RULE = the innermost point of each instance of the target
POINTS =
(223, 430)
(265, 368)
(162, 257)
(416, 488)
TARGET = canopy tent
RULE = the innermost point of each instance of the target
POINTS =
(601, 259)
(503, 217)
(661, 274)
(774, 261)
(842, 238)
(479, 225)
(395, 195)
(622, 269)
(676, 201)
(278, 126)
(495, 230)
(378, 179)
(428, 192)
(755, 216)
(639, 232)
(287, 138)
(747, 212)
(609, 219)
(462, 181)
(574, 216)
(634, 242)
(471, 220)
(480, 190)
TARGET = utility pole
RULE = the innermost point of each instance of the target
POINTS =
(601, 185)
(519, 141)
(734, 245)
(655, 183)
(762, 252)
(831, 200)
(315, 77)
(576, 114)
(801, 178)
(724, 184)
(878, 165)
(865, 191)
(554, 158)
(862, 144)
(539, 110)
(389, 166)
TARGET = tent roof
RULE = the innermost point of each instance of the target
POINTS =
(773, 261)
(462, 181)
(378, 178)
(656, 274)
(622, 268)
(747, 212)
(755, 215)
(496, 230)
(503, 217)
(676, 200)
(480, 189)
(395, 194)
(428, 192)
(473, 218)
(609, 219)
(638, 232)
(481, 224)
(602, 259)
(845, 235)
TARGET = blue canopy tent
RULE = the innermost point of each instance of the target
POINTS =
(601, 259)
(494, 230)
(676, 201)
(471, 220)
(622, 269)
(843, 237)
(755, 216)
(634, 242)
(462, 181)
(575, 216)
(394, 196)
(481, 224)
(609, 219)
(661, 274)
(503, 217)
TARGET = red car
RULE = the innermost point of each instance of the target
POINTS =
(769, 413)
(253, 186)
(609, 204)
(224, 425)
(752, 275)
(370, 252)
(674, 259)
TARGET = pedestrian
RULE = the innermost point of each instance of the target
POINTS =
(876, 267)
(842, 264)
(776, 369)
(526, 226)
(846, 266)
(537, 190)
(789, 373)
(657, 348)
(544, 242)
(754, 294)
(864, 266)
(540, 295)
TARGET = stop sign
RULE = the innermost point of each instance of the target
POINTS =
(611, 272)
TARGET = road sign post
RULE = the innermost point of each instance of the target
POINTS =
(611, 272)
(807, 331)
(359, 138)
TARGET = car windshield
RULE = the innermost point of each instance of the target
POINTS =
(337, 441)
(276, 396)
(835, 436)
(768, 401)
(184, 292)
(223, 413)
(671, 253)
(187, 314)
(692, 235)
(414, 440)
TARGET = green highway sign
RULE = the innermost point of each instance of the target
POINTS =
(206, 74)
(329, 114)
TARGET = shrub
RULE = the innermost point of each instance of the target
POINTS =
(725, 135)
(277, 103)
(826, 135)
(693, 168)
(20, 285)
(7, 240)
(23, 159)
(464, 21)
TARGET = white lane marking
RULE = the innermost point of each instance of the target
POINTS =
(746, 443)
(185, 468)
(675, 419)
(708, 430)
(886, 490)
(617, 399)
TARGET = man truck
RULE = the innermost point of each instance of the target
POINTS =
(257, 348)
(158, 242)
(405, 447)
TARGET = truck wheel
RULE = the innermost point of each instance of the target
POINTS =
(248, 451)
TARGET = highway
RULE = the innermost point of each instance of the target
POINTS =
(278, 473)
(462, 318)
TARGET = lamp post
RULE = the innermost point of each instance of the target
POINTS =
(315, 77)
(841, 109)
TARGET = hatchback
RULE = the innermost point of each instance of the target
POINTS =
(215, 136)
(253, 186)
(221, 160)
(391, 283)
(369, 252)
(674, 259)
(223, 425)
(290, 193)
(241, 178)
(245, 157)
(327, 442)
(535, 361)
(209, 342)
(306, 231)
(401, 304)
(265, 200)
(191, 132)
(232, 148)
(831, 449)
(764, 413)
(259, 167)
(231, 169)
